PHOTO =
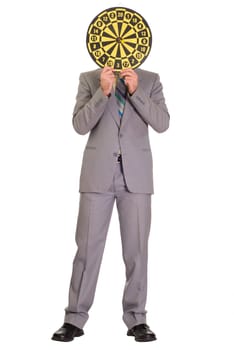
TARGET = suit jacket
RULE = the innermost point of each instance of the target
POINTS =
(108, 133)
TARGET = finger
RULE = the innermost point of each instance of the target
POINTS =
(130, 74)
(108, 69)
(127, 70)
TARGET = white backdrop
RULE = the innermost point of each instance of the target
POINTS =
(190, 300)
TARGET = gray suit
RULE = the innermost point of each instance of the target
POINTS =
(96, 113)
(103, 180)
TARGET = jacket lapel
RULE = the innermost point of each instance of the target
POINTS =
(113, 108)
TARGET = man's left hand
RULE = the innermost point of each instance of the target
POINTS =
(131, 79)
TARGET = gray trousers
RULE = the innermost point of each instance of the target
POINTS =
(95, 210)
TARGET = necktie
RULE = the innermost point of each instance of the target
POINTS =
(120, 94)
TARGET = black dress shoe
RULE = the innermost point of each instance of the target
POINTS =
(142, 332)
(67, 332)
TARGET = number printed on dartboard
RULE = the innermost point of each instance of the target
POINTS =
(119, 38)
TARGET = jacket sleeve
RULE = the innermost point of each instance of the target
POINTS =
(152, 108)
(88, 109)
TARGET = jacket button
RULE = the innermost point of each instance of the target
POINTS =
(115, 154)
(120, 135)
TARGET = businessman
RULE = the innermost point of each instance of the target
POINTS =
(117, 166)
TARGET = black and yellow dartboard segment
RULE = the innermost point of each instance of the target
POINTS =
(119, 38)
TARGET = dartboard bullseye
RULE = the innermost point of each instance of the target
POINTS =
(119, 38)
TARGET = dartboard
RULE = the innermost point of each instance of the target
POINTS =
(119, 38)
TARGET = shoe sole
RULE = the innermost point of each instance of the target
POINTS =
(145, 340)
(67, 339)
(61, 340)
(131, 334)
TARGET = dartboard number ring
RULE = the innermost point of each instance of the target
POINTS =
(119, 38)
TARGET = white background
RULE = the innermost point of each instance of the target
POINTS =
(190, 299)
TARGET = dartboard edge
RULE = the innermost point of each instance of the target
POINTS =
(120, 38)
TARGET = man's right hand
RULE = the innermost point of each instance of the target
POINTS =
(107, 79)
